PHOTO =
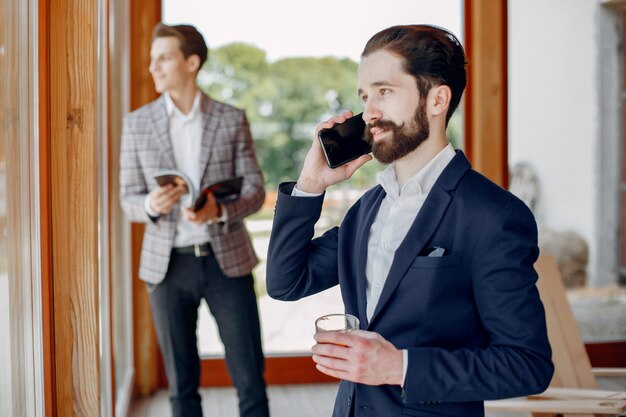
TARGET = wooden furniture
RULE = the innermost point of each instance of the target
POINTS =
(573, 389)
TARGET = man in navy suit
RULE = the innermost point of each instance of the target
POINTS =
(436, 261)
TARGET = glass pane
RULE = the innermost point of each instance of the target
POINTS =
(9, 270)
(121, 285)
(289, 72)
(17, 347)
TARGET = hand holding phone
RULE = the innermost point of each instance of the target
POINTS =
(344, 142)
(318, 171)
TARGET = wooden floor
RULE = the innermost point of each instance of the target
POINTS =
(298, 400)
(301, 400)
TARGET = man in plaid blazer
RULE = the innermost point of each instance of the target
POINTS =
(186, 255)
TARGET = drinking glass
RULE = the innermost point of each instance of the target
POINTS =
(336, 323)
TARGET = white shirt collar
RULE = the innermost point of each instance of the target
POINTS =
(171, 108)
(422, 182)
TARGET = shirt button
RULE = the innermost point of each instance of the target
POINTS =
(377, 287)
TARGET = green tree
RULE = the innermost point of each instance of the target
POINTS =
(232, 71)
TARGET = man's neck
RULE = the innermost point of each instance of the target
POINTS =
(183, 97)
(412, 163)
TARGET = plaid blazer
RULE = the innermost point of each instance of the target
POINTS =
(226, 151)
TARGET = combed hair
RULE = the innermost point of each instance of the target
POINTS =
(190, 39)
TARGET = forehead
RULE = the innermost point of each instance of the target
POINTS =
(382, 66)
(165, 44)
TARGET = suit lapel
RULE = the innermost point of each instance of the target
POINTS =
(423, 227)
(362, 241)
(210, 121)
(160, 120)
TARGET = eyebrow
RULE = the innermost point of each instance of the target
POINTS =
(378, 84)
(159, 55)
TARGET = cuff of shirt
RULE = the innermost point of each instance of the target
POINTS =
(299, 193)
(151, 212)
(224, 215)
(405, 365)
(223, 218)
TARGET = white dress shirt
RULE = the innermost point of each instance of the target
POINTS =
(186, 136)
(393, 220)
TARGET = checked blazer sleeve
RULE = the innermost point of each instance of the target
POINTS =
(246, 165)
(133, 186)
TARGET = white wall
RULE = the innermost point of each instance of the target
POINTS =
(553, 107)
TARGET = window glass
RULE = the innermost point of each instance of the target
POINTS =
(290, 70)
(18, 331)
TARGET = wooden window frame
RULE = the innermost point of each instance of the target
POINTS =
(72, 91)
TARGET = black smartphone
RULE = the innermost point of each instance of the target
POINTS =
(344, 141)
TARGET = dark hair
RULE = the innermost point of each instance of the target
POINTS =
(190, 40)
(433, 55)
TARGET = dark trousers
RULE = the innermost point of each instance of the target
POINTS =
(232, 302)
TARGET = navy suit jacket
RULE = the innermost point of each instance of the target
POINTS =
(472, 321)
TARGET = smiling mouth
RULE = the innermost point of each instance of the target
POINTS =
(377, 132)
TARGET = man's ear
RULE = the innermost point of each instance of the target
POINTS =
(439, 100)
(193, 63)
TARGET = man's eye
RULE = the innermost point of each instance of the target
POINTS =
(384, 91)
(364, 99)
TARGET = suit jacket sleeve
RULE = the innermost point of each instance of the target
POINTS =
(515, 360)
(246, 165)
(133, 187)
(297, 264)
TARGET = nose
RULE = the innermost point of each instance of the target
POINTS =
(372, 112)
(153, 66)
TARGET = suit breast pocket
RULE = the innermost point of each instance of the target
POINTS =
(446, 261)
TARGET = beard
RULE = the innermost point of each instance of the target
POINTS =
(403, 139)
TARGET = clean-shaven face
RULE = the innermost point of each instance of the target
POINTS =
(396, 119)
(168, 66)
